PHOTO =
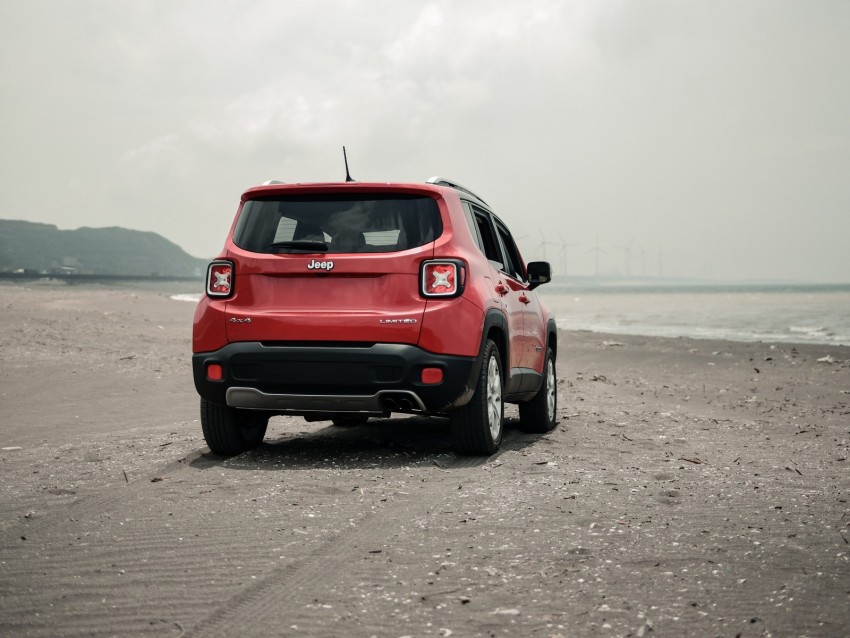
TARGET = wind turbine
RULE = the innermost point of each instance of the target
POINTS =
(642, 259)
(627, 255)
(596, 249)
(563, 252)
(543, 243)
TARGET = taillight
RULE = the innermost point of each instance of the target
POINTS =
(442, 278)
(220, 279)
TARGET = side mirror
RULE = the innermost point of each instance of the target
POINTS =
(539, 272)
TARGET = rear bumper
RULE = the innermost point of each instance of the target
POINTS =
(313, 378)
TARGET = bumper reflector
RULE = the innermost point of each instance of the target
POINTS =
(215, 372)
(432, 376)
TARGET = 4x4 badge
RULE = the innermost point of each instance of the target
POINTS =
(320, 265)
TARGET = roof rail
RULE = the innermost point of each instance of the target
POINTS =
(270, 182)
(442, 181)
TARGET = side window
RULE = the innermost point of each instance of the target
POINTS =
(490, 247)
(473, 227)
(513, 265)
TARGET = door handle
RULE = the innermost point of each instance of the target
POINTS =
(502, 289)
(524, 299)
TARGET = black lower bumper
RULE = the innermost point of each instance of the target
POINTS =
(309, 379)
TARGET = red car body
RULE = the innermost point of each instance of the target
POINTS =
(347, 301)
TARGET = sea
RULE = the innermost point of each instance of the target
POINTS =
(768, 313)
(773, 314)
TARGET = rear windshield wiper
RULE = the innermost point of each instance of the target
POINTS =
(304, 244)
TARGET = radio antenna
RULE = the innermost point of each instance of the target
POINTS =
(347, 174)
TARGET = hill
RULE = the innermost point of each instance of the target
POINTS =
(98, 251)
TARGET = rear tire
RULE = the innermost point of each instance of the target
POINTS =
(230, 431)
(540, 415)
(477, 427)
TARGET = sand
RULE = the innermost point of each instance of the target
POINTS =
(692, 488)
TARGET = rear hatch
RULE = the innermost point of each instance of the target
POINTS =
(334, 265)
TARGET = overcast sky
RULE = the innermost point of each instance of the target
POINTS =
(705, 139)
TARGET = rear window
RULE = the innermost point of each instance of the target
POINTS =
(337, 224)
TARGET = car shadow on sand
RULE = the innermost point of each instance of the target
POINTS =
(381, 443)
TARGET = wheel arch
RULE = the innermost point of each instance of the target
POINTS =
(552, 337)
(496, 330)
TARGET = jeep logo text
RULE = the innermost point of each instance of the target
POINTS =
(320, 265)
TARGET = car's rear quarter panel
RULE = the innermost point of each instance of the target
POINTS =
(455, 326)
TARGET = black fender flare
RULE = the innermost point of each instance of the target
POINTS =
(552, 331)
(492, 319)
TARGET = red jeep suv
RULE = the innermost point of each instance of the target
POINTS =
(348, 301)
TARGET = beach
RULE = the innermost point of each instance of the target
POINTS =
(693, 487)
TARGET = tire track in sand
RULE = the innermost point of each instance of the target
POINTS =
(289, 589)
(90, 504)
(139, 558)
